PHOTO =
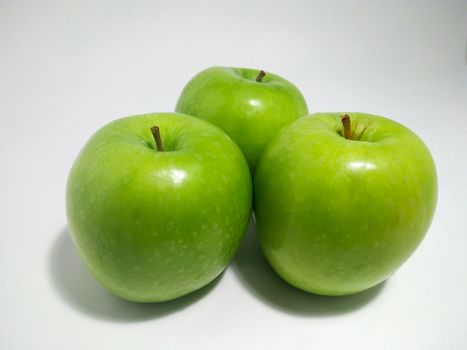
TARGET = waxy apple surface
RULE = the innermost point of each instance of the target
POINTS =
(336, 216)
(152, 225)
(251, 112)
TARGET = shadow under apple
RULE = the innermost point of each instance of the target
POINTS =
(75, 285)
(255, 273)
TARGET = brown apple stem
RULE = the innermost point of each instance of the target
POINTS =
(346, 124)
(260, 76)
(157, 136)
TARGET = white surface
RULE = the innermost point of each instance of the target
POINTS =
(68, 67)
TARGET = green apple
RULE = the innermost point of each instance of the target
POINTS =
(341, 204)
(156, 215)
(251, 106)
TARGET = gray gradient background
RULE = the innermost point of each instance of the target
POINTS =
(68, 67)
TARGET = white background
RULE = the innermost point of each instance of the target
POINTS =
(69, 67)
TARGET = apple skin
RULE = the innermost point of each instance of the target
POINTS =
(250, 112)
(338, 216)
(153, 226)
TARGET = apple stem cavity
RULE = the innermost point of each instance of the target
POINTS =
(346, 124)
(157, 137)
(260, 76)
